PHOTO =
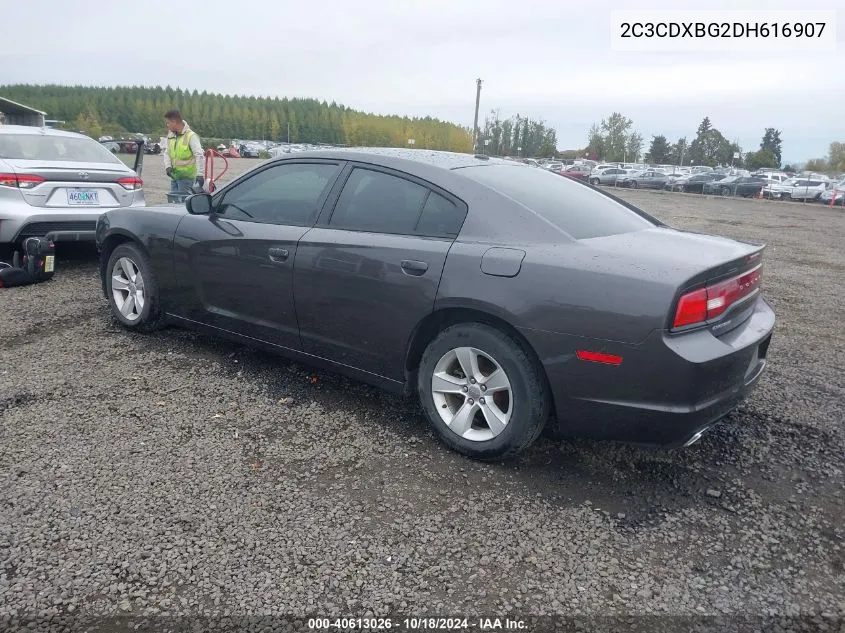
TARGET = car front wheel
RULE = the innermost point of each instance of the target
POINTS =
(131, 288)
(482, 391)
(594, 181)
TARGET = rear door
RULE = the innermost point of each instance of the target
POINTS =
(369, 271)
(235, 266)
(68, 172)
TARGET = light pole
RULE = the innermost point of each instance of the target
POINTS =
(478, 83)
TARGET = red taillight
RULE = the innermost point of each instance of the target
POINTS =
(710, 302)
(20, 181)
(131, 183)
(692, 308)
(598, 357)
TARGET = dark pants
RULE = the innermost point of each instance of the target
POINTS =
(181, 186)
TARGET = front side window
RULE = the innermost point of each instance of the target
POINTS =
(286, 194)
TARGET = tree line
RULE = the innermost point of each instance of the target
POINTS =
(614, 140)
(117, 111)
(833, 162)
(516, 136)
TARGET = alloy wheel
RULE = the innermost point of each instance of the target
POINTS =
(472, 394)
(127, 285)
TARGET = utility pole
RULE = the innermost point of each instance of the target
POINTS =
(288, 132)
(475, 122)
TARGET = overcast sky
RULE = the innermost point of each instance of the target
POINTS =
(549, 59)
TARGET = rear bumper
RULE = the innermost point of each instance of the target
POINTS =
(19, 220)
(667, 389)
(72, 236)
(68, 227)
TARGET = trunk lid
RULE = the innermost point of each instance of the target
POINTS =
(690, 261)
(75, 184)
(683, 255)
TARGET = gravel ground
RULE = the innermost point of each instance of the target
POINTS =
(172, 475)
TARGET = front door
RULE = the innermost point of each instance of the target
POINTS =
(369, 274)
(235, 265)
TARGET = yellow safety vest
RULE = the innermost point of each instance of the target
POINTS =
(181, 157)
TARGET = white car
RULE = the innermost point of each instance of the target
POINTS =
(607, 176)
(779, 190)
(773, 176)
(59, 183)
(805, 189)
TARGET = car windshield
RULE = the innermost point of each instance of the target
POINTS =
(55, 148)
(573, 207)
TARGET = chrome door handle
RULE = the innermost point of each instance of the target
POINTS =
(278, 254)
(413, 267)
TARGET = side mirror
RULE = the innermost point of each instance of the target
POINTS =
(198, 204)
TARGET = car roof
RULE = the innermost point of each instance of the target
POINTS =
(395, 157)
(43, 131)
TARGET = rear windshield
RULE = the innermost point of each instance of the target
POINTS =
(572, 206)
(59, 148)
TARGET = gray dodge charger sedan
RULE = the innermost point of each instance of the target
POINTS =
(504, 297)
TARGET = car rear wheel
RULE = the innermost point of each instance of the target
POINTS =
(482, 392)
(131, 288)
(634, 184)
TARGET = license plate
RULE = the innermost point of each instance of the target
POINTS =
(49, 263)
(83, 197)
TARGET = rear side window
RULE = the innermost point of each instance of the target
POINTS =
(573, 207)
(380, 203)
(55, 148)
(440, 217)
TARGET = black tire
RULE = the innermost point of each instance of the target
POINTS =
(595, 181)
(725, 191)
(149, 318)
(634, 184)
(529, 406)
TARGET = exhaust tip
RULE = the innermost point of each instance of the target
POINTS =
(694, 438)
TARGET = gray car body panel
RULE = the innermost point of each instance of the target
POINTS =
(613, 294)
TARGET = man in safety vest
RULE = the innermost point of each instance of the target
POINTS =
(183, 160)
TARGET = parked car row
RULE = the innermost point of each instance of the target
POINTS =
(730, 183)
(802, 189)
(130, 147)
